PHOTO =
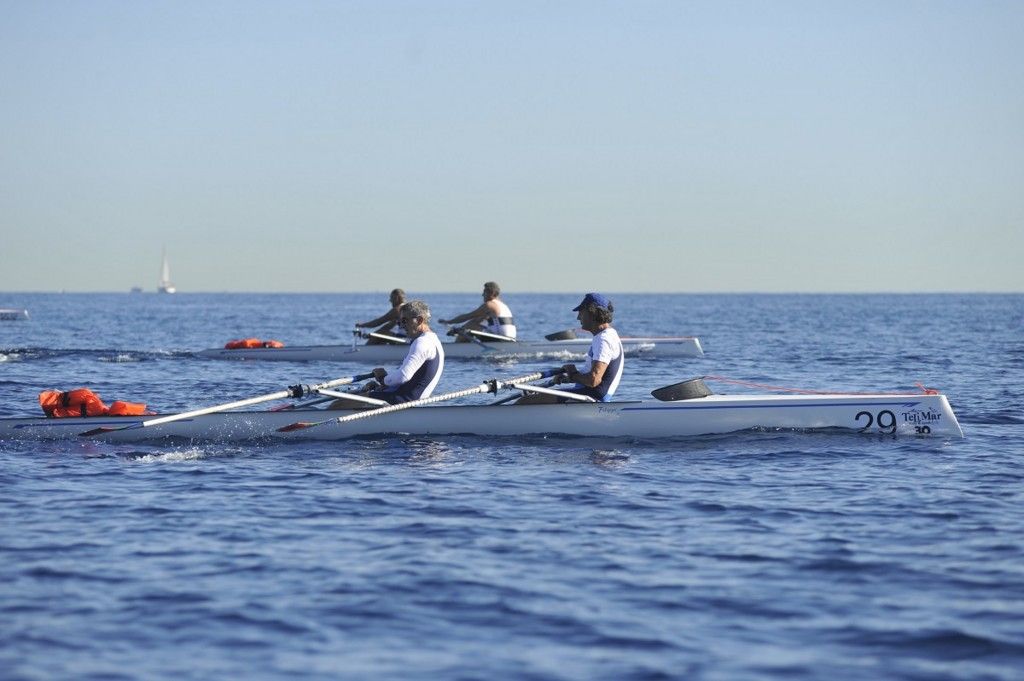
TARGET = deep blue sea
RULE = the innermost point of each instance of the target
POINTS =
(756, 555)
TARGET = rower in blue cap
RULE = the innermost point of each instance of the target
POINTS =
(599, 376)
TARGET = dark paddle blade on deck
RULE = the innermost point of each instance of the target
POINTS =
(684, 390)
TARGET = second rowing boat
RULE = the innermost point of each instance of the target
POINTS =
(574, 348)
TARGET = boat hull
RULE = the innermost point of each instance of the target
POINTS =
(567, 349)
(895, 414)
(13, 314)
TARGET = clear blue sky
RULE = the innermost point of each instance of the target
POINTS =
(552, 146)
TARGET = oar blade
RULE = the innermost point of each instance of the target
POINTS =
(568, 334)
(298, 425)
(102, 430)
(684, 390)
(98, 431)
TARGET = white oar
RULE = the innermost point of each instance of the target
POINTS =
(476, 333)
(292, 391)
(547, 384)
(491, 386)
(389, 338)
(396, 340)
(462, 333)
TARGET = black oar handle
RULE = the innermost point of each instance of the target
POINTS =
(302, 389)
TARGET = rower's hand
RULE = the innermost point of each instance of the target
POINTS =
(379, 373)
(567, 371)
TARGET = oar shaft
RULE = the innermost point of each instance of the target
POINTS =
(476, 333)
(220, 407)
(462, 333)
(485, 387)
(388, 337)
(280, 395)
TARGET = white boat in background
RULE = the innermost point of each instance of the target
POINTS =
(11, 314)
(573, 348)
(902, 414)
(165, 285)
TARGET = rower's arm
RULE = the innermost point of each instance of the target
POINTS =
(592, 378)
(391, 317)
(480, 313)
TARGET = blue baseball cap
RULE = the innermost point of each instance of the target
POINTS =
(596, 299)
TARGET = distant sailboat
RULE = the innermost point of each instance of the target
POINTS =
(165, 277)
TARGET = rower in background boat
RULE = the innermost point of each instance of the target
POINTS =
(419, 373)
(388, 321)
(493, 316)
(602, 370)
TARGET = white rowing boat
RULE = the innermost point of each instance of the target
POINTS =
(8, 314)
(925, 414)
(676, 346)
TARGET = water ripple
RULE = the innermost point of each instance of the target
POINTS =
(757, 555)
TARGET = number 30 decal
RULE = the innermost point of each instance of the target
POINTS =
(885, 419)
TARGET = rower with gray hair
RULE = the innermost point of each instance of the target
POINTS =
(421, 369)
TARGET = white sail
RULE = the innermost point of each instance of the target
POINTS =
(165, 276)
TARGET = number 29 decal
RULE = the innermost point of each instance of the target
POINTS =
(885, 420)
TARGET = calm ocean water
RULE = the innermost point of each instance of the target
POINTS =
(747, 556)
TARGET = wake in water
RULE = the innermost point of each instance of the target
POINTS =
(178, 455)
(117, 355)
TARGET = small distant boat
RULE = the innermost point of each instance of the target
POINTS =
(136, 289)
(165, 277)
(10, 314)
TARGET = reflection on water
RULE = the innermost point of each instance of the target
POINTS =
(609, 458)
(432, 452)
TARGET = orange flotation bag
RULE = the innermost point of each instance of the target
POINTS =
(245, 343)
(80, 402)
(119, 408)
(84, 402)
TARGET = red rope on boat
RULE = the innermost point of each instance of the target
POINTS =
(805, 391)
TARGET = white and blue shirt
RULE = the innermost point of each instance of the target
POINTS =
(421, 369)
(606, 347)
